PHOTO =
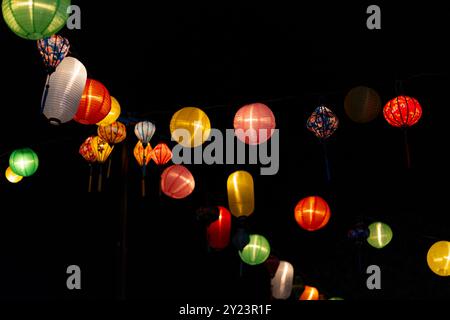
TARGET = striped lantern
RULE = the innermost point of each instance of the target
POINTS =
(114, 133)
(161, 154)
(95, 103)
(144, 131)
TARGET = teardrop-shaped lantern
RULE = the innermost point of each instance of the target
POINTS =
(53, 50)
(322, 122)
(95, 103)
(142, 154)
(114, 133)
(161, 154)
(144, 131)
(101, 148)
(241, 198)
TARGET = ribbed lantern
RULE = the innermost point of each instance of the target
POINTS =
(282, 281)
(254, 123)
(218, 232)
(24, 162)
(362, 104)
(402, 112)
(161, 154)
(114, 133)
(312, 213)
(256, 251)
(177, 182)
(35, 19)
(380, 235)
(113, 114)
(66, 86)
(53, 50)
(144, 131)
(323, 122)
(87, 152)
(95, 103)
(12, 177)
(142, 154)
(101, 148)
(438, 258)
(241, 198)
(190, 127)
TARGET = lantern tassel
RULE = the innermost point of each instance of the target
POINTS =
(45, 94)
(327, 162)
(407, 149)
(100, 178)
(91, 169)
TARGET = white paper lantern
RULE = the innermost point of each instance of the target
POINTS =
(282, 281)
(66, 87)
(144, 131)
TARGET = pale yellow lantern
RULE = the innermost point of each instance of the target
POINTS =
(241, 198)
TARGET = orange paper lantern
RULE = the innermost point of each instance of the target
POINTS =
(310, 293)
(402, 112)
(141, 154)
(95, 103)
(161, 154)
(312, 213)
(114, 133)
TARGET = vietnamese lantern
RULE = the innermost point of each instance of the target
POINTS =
(12, 177)
(35, 19)
(95, 103)
(256, 251)
(218, 232)
(87, 152)
(438, 258)
(254, 123)
(144, 131)
(142, 154)
(113, 133)
(362, 104)
(282, 281)
(53, 50)
(380, 234)
(241, 199)
(65, 89)
(402, 112)
(312, 213)
(161, 154)
(190, 127)
(101, 148)
(177, 182)
(24, 162)
(113, 114)
(310, 293)
(322, 122)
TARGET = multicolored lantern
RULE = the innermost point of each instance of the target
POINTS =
(323, 122)
(283, 281)
(438, 258)
(402, 112)
(256, 251)
(144, 131)
(190, 127)
(113, 114)
(24, 162)
(161, 154)
(362, 104)
(241, 198)
(101, 148)
(95, 103)
(87, 152)
(218, 232)
(53, 50)
(177, 182)
(310, 294)
(254, 123)
(12, 177)
(35, 19)
(380, 234)
(312, 213)
(113, 133)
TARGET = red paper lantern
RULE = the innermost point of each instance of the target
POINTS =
(95, 103)
(218, 232)
(177, 182)
(161, 154)
(312, 213)
(87, 152)
(254, 123)
(402, 112)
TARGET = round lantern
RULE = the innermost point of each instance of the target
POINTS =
(87, 152)
(35, 19)
(241, 198)
(101, 148)
(218, 232)
(24, 162)
(254, 123)
(161, 154)
(142, 154)
(402, 112)
(12, 177)
(190, 127)
(282, 281)
(312, 213)
(256, 251)
(53, 50)
(322, 122)
(380, 234)
(113, 114)
(177, 182)
(362, 104)
(66, 86)
(113, 133)
(95, 103)
(310, 293)
(144, 131)
(438, 258)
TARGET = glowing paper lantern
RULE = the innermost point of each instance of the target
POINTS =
(312, 213)
(282, 281)
(254, 123)
(190, 127)
(362, 104)
(24, 162)
(101, 148)
(256, 251)
(142, 154)
(12, 177)
(113, 114)
(438, 258)
(323, 122)
(402, 112)
(218, 232)
(35, 19)
(66, 86)
(144, 131)
(95, 103)
(380, 235)
(114, 133)
(53, 50)
(161, 154)
(177, 182)
(241, 198)
(87, 152)
(310, 293)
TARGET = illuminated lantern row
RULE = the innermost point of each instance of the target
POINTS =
(24, 162)
(312, 213)
(177, 182)
(87, 152)
(190, 127)
(95, 103)
(101, 148)
(322, 122)
(438, 258)
(218, 232)
(254, 123)
(53, 50)
(161, 154)
(142, 154)
(380, 234)
(402, 112)
(144, 131)
(310, 293)
(35, 19)
(113, 114)
(12, 177)
(256, 251)
(241, 199)
(114, 133)
(282, 281)
(66, 86)
(362, 104)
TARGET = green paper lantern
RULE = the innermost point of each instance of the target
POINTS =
(380, 235)
(256, 251)
(35, 19)
(24, 162)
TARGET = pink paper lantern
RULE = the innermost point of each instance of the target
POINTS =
(254, 123)
(177, 182)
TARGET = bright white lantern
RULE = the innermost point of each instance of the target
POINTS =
(282, 281)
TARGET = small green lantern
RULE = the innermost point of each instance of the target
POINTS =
(380, 235)
(24, 162)
(256, 251)
(35, 19)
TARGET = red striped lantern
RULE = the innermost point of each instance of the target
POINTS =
(161, 154)
(218, 232)
(95, 103)
(312, 213)
(177, 182)
(402, 112)
(254, 123)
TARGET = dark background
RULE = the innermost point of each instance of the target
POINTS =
(157, 59)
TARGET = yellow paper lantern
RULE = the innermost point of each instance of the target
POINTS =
(190, 127)
(438, 258)
(113, 114)
(12, 177)
(241, 198)
(101, 149)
